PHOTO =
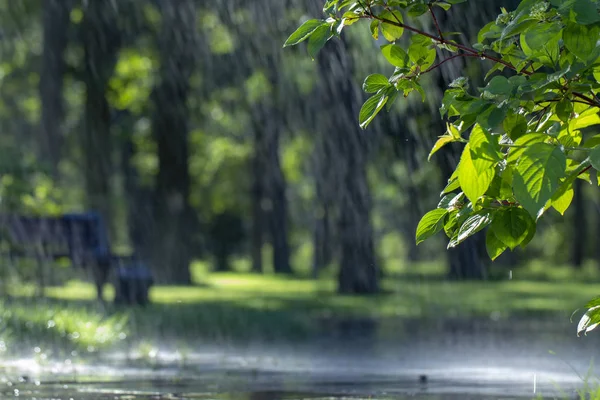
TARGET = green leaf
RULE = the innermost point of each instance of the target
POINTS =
(499, 85)
(541, 42)
(515, 125)
(493, 245)
(595, 158)
(522, 143)
(304, 31)
(589, 321)
(375, 82)
(564, 109)
(511, 226)
(452, 185)
(581, 40)
(484, 147)
(417, 10)
(471, 226)
(474, 176)
(581, 11)
(595, 302)
(451, 201)
(529, 237)
(317, 40)
(369, 110)
(562, 202)
(492, 117)
(389, 30)
(537, 176)
(430, 224)
(592, 142)
(395, 55)
(374, 28)
(585, 119)
(421, 52)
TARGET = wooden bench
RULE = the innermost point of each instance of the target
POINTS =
(82, 238)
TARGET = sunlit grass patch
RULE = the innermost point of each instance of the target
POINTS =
(226, 306)
(46, 324)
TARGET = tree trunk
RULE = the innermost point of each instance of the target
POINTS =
(258, 215)
(580, 228)
(139, 206)
(173, 214)
(358, 271)
(276, 189)
(415, 211)
(322, 255)
(101, 44)
(323, 247)
(55, 20)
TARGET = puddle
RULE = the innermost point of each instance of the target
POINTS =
(252, 387)
(478, 363)
(214, 381)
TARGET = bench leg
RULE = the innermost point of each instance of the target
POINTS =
(100, 274)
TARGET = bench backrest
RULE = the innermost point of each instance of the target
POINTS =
(81, 237)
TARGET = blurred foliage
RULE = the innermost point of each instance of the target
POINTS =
(221, 140)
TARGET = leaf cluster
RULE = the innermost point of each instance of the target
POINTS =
(523, 132)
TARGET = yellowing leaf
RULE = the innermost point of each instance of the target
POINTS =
(563, 201)
(441, 142)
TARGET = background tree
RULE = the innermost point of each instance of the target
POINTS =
(55, 20)
(172, 213)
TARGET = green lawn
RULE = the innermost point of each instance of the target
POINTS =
(234, 306)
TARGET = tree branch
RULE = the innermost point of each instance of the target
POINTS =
(470, 51)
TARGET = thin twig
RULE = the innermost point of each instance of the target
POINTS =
(435, 21)
(445, 60)
(585, 170)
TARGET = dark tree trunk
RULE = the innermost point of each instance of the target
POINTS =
(258, 214)
(358, 271)
(413, 194)
(269, 190)
(139, 205)
(172, 211)
(322, 246)
(276, 189)
(268, 126)
(222, 259)
(580, 228)
(55, 19)
(101, 45)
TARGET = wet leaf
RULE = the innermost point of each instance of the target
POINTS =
(304, 31)
(511, 226)
(537, 176)
(430, 224)
(370, 109)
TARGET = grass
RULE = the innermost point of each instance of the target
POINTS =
(241, 306)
